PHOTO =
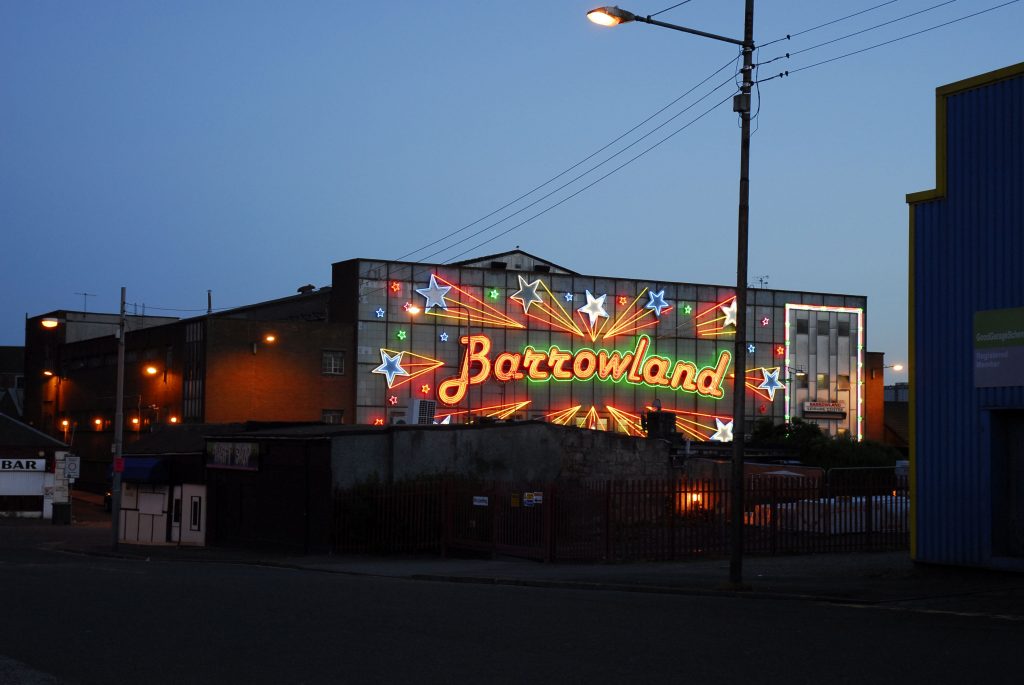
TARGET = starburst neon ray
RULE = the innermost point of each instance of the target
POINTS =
(714, 327)
(414, 364)
(629, 322)
(564, 416)
(494, 411)
(591, 419)
(464, 306)
(629, 423)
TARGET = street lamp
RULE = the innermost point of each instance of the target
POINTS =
(612, 16)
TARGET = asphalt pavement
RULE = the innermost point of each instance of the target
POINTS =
(884, 580)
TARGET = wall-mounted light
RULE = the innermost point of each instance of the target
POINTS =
(270, 338)
(173, 419)
(152, 370)
(50, 322)
(47, 372)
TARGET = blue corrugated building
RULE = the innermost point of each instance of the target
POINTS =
(967, 330)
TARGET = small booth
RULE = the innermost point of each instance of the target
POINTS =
(31, 484)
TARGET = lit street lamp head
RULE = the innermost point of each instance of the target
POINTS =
(610, 16)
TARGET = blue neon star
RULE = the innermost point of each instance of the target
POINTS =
(751, 348)
(379, 312)
(657, 301)
(568, 297)
(771, 382)
(443, 336)
(434, 293)
(391, 366)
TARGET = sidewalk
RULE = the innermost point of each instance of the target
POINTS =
(888, 580)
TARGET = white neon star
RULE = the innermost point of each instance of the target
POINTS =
(391, 367)
(434, 293)
(443, 336)
(724, 432)
(379, 312)
(568, 297)
(771, 382)
(594, 307)
(527, 293)
(730, 314)
(657, 301)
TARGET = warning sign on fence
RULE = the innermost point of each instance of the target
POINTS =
(481, 500)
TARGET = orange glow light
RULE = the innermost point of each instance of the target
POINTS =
(65, 423)
(135, 420)
(47, 373)
(151, 370)
(49, 323)
(98, 422)
(173, 419)
(270, 337)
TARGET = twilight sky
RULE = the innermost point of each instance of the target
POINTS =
(175, 147)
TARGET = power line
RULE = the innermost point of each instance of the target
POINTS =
(894, 40)
(585, 173)
(596, 181)
(669, 8)
(788, 36)
(562, 173)
(872, 28)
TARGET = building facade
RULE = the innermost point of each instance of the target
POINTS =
(507, 336)
(967, 330)
(513, 336)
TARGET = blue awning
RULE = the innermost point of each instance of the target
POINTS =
(143, 470)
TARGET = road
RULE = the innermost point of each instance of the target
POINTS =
(83, 619)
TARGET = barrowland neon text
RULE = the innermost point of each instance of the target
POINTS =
(635, 367)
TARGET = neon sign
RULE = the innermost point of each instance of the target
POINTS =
(635, 367)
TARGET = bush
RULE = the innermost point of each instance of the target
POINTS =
(815, 448)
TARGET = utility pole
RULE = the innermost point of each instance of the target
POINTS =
(118, 446)
(741, 104)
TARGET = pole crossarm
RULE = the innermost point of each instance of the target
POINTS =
(684, 29)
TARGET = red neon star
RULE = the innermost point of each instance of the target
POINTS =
(780, 350)
(378, 422)
(393, 400)
(622, 300)
(425, 389)
(395, 286)
(765, 321)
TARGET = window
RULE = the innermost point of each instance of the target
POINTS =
(822, 380)
(823, 325)
(331, 416)
(333, 362)
(844, 327)
(843, 382)
(801, 326)
(800, 380)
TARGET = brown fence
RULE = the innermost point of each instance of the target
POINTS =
(863, 510)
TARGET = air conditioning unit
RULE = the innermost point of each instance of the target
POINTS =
(421, 412)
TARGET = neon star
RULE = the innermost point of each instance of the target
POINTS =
(379, 312)
(493, 293)
(527, 293)
(594, 308)
(623, 300)
(687, 309)
(443, 336)
(401, 334)
(434, 293)
(568, 297)
(391, 367)
(779, 350)
(730, 314)
(378, 422)
(425, 389)
(765, 321)
(393, 400)
(724, 432)
(656, 301)
(751, 348)
(771, 382)
(395, 286)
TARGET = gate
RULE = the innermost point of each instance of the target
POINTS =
(499, 518)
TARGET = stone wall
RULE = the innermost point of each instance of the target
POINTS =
(522, 451)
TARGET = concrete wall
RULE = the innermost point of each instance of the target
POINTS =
(526, 451)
